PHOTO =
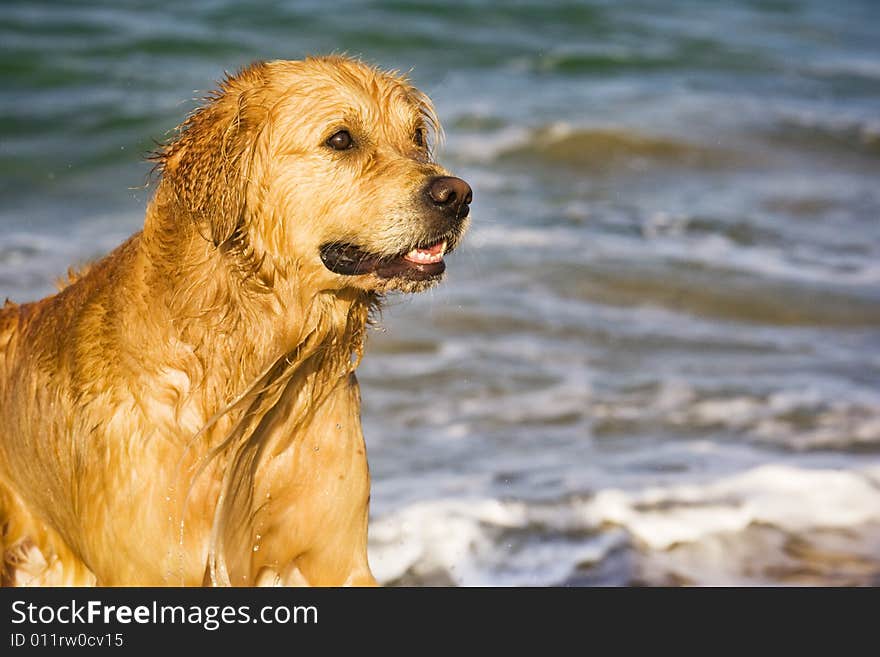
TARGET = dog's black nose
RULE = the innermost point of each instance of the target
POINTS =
(452, 193)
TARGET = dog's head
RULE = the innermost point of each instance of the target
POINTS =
(323, 166)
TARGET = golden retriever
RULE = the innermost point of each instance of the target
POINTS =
(185, 412)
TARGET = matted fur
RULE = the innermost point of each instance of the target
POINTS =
(185, 411)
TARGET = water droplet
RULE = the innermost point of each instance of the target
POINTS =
(256, 548)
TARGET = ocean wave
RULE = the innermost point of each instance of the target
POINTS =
(661, 250)
(592, 149)
(607, 61)
(819, 131)
(720, 292)
(796, 419)
(669, 532)
(851, 66)
(774, 250)
(679, 53)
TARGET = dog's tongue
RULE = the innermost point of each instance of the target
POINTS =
(432, 254)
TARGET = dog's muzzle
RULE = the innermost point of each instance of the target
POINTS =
(447, 202)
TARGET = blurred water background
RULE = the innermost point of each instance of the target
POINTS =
(657, 358)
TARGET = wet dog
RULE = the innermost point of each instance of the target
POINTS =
(185, 411)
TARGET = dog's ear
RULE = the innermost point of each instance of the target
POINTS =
(206, 168)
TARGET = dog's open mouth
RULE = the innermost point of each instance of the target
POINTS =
(419, 264)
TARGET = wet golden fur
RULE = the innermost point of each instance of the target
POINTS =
(185, 411)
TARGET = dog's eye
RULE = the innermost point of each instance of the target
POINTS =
(419, 138)
(341, 141)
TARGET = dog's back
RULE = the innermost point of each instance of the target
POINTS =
(10, 327)
(14, 550)
(21, 561)
(37, 342)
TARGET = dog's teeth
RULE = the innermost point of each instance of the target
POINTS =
(430, 255)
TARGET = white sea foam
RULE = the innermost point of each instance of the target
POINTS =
(791, 498)
(445, 535)
(474, 541)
